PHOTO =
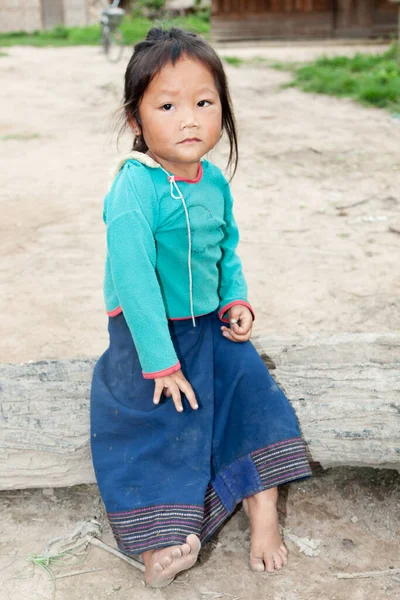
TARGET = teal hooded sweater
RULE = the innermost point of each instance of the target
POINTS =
(170, 254)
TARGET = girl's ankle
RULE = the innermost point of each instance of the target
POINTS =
(270, 495)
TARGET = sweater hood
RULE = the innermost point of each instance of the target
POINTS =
(141, 157)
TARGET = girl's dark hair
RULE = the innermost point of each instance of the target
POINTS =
(167, 46)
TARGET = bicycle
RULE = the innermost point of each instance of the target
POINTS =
(112, 39)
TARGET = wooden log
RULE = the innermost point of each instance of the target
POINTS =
(345, 390)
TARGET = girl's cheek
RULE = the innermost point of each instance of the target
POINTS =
(215, 130)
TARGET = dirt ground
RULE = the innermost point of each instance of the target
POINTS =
(318, 206)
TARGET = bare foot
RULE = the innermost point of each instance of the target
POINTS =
(163, 564)
(267, 552)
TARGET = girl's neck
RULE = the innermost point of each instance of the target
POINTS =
(183, 170)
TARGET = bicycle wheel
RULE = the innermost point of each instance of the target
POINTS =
(105, 39)
(115, 46)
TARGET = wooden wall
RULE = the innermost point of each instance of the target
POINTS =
(291, 19)
(357, 18)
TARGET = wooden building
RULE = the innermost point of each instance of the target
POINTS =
(302, 19)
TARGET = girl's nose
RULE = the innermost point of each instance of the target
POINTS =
(189, 120)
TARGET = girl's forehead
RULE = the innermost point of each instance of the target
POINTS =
(186, 74)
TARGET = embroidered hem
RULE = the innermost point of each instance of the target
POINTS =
(159, 526)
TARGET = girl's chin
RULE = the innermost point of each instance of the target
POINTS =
(186, 155)
(193, 151)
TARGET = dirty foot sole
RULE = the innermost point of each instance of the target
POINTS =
(162, 565)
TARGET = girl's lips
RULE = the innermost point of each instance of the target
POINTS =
(190, 141)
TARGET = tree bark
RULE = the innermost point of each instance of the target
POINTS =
(345, 390)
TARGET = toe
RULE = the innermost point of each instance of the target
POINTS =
(283, 548)
(176, 553)
(166, 561)
(158, 567)
(257, 565)
(194, 543)
(269, 563)
(278, 562)
(185, 549)
(284, 556)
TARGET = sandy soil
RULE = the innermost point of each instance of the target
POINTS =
(317, 199)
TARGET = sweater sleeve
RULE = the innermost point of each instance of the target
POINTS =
(131, 246)
(232, 284)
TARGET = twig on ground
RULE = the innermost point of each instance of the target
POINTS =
(315, 150)
(345, 206)
(130, 561)
(374, 196)
(73, 573)
(365, 574)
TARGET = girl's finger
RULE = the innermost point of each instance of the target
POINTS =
(229, 334)
(189, 393)
(243, 324)
(176, 397)
(233, 333)
(239, 329)
(240, 326)
(241, 337)
(158, 388)
(167, 393)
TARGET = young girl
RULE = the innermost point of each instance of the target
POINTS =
(186, 421)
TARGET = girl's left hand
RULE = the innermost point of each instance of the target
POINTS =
(242, 329)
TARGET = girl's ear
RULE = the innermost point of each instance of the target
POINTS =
(133, 124)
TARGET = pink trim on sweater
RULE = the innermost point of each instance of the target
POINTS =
(228, 306)
(115, 312)
(197, 178)
(162, 373)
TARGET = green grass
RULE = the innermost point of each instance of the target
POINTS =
(235, 61)
(254, 61)
(373, 80)
(20, 137)
(59, 36)
(134, 30)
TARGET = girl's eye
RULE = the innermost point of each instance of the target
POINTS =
(203, 103)
(167, 107)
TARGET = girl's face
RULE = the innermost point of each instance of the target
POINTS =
(181, 116)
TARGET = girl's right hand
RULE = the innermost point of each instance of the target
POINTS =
(175, 384)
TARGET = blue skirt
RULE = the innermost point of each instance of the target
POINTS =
(164, 474)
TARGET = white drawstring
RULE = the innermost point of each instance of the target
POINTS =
(173, 184)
